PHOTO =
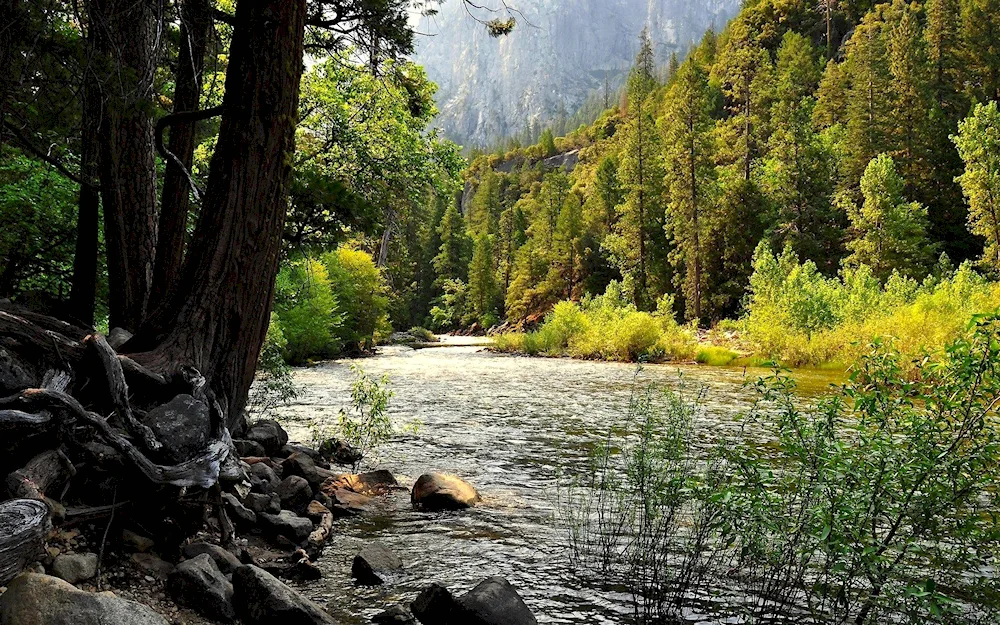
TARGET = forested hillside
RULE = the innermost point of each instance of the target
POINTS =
(857, 141)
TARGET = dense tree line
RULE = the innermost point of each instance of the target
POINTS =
(852, 133)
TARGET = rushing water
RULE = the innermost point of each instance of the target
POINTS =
(515, 428)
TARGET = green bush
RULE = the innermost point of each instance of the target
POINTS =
(362, 294)
(307, 311)
(274, 386)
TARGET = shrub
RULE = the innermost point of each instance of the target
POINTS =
(274, 386)
(307, 311)
(362, 293)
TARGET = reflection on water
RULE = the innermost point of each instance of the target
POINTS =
(513, 427)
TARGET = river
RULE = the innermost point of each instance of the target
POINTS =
(514, 427)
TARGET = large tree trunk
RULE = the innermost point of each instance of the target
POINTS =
(126, 35)
(216, 316)
(84, 288)
(196, 20)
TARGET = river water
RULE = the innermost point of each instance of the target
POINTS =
(515, 428)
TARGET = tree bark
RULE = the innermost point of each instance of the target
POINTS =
(24, 526)
(83, 292)
(126, 35)
(196, 20)
(216, 316)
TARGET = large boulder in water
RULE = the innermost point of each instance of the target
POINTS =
(443, 491)
(495, 602)
(375, 564)
(261, 599)
(182, 425)
(33, 599)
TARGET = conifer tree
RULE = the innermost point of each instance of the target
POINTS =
(642, 78)
(568, 251)
(890, 234)
(482, 298)
(981, 48)
(689, 165)
(608, 192)
(548, 142)
(452, 260)
(484, 209)
(911, 73)
(511, 237)
(978, 142)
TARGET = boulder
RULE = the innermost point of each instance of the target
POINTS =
(248, 449)
(339, 452)
(148, 563)
(303, 466)
(371, 483)
(182, 425)
(396, 615)
(495, 602)
(348, 502)
(200, 585)
(259, 502)
(224, 560)
(295, 448)
(375, 564)
(263, 479)
(435, 605)
(443, 491)
(295, 492)
(75, 567)
(240, 514)
(288, 524)
(271, 436)
(261, 599)
(33, 599)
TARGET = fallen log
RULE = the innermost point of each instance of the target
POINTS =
(47, 469)
(24, 524)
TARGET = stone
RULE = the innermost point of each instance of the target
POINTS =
(75, 567)
(200, 585)
(339, 452)
(261, 599)
(350, 502)
(495, 602)
(224, 560)
(303, 466)
(271, 436)
(375, 564)
(182, 425)
(263, 479)
(296, 448)
(396, 615)
(33, 599)
(295, 492)
(288, 524)
(136, 541)
(259, 502)
(118, 337)
(240, 514)
(435, 605)
(370, 483)
(443, 491)
(148, 563)
(248, 449)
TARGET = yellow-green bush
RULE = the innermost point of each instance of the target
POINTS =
(307, 311)
(362, 295)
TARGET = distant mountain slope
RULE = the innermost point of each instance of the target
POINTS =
(558, 54)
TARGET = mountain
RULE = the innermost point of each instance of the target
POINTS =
(560, 52)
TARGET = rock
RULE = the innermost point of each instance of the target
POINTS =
(75, 567)
(33, 599)
(247, 448)
(147, 562)
(137, 542)
(297, 567)
(118, 337)
(303, 466)
(350, 502)
(224, 560)
(261, 599)
(182, 425)
(200, 585)
(435, 605)
(271, 436)
(240, 514)
(371, 483)
(288, 524)
(263, 479)
(375, 564)
(315, 511)
(339, 452)
(443, 491)
(295, 448)
(259, 502)
(495, 602)
(295, 492)
(396, 615)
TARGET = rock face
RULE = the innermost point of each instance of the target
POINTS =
(199, 584)
(491, 89)
(375, 564)
(33, 599)
(261, 599)
(443, 491)
(182, 425)
(75, 567)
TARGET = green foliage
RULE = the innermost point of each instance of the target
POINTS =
(978, 142)
(483, 288)
(367, 426)
(274, 385)
(307, 311)
(362, 295)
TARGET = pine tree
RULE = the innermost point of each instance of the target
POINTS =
(689, 164)
(483, 292)
(642, 78)
(511, 237)
(452, 260)
(913, 100)
(831, 97)
(608, 192)
(484, 209)
(890, 234)
(548, 142)
(568, 251)
(978, 142)
(981, 48)
(943, 50)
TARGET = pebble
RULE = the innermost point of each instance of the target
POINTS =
(149, 578)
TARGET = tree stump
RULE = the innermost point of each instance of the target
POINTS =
(24, 524)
